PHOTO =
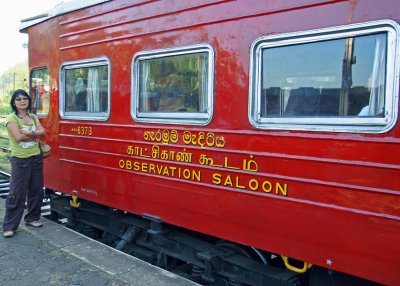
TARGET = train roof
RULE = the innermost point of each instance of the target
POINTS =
(60, 9)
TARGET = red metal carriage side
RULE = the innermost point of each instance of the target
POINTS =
(327, 198)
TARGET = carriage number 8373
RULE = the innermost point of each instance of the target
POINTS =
(83, 130)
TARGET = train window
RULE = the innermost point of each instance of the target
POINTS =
(85, 89)
(173, 85)
(40, 91)
(338, 79)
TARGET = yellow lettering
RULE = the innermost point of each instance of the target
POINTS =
(130, 150)
(253, 185)
(216, 178)
(165, 173)
(283, 190)
(136, 166)
(196, 176)
(267, 186)
(228, 181)
(186, 174)
(128, 165)
(152, 168)
(172, 171)
(238, 185)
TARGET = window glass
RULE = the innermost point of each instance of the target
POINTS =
(340, 79)
(173, 86)
(86, 90)
(40, 91)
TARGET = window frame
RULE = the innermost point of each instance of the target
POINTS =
(329, 124)
(84, 115)
(41, 115)
(190, 118)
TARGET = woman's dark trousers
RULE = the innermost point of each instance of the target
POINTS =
(26, 185)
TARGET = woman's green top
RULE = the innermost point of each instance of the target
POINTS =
(22, 149)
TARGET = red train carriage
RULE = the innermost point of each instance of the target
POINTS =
(236, 142)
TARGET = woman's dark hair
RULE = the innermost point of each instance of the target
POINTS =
(15, 95)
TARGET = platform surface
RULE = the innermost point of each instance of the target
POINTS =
(56, 255)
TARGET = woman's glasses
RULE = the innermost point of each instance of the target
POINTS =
(21, 99)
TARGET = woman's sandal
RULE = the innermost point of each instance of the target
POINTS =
(34, 223)
(8, 233)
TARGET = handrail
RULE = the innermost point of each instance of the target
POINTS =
(306, 265)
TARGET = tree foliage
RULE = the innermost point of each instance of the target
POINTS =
(14, 78)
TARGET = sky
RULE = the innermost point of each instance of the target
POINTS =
(11, 14)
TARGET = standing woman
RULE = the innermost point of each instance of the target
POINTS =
(26, 165)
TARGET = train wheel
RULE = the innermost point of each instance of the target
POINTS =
(249, 252)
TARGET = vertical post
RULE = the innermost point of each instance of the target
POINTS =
(347, 79)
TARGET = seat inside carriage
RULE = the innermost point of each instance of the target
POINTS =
(309, 101)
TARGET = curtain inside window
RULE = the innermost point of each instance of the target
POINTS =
(203, 73)
(93, 90)
(144, 93)
(377, 97)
